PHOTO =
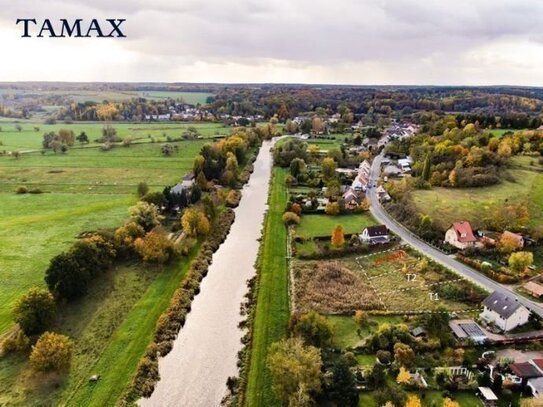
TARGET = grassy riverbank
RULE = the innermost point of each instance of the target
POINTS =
(272, 309)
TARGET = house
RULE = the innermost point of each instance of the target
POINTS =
(377, 234)
(188, 181)
(525, 371)
(418, 332)
(518, 239)
(405, 164)
(382, 194)
(536, 385)
(351, 198)
(504, 311)
(460, 235)
(392, 170)
(535, 290)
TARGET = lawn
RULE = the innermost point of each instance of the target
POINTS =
(272, 309)
(345, 328)
(28, 138)
(313, 225)
(429, 399)
(447, 205)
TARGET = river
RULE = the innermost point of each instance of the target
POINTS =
(204, 354)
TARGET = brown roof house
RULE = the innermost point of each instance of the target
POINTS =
(460, 235)
(535, 290)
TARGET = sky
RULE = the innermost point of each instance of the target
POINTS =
(367, 42)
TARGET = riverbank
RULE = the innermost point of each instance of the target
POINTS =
(204, 354)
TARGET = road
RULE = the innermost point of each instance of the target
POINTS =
(459, 268)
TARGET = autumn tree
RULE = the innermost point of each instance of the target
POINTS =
(403, 376)
(332, 209)
(328, 168)
(34, 311)
(404, 355)
(106, 111)
(413, 401)
(518, 262)
(146, 215)
(195, 222)
(155, 247)
(294, 367)
(290, 218)
(52, 351)
(66, 136)
(450, 403)
(338, 238)
(361, 318)
(317, 125)
(507, 244)
(313, 328)
(127, 234)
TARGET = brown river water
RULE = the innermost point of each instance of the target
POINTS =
(204, 354)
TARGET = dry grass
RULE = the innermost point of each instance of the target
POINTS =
(331, 288)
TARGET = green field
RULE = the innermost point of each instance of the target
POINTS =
(447, 205)
(312, 225)
(272, 309)
(81, 96)
(83, 190)
(29, 139)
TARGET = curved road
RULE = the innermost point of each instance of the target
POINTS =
(467, 272)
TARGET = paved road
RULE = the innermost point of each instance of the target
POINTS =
(481, 280)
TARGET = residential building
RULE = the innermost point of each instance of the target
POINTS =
(377, 234)
(535, 290)
(460, 235)
(504, 311)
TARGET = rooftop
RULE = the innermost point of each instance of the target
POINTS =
(502, 304)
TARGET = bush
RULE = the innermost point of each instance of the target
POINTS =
(16, 341)
(156, 198)
(65, 278)
(233, 198)
(52, 352)
(290, 218)
(34, 311)
(142, 189)
(21, 190)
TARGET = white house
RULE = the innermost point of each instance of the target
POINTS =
(377, 234)
(460, 235)
(504, 311)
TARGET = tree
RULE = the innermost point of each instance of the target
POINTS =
(378, 375)
(450, 403)
(404, 355)
(453, 178)
(195, 222)
(403, 376)
(332, 209)
(328, 168)
(294, 367)
(201, 181)
(34, 311)
(65, 278)
(520, 260)
(508, 244)
(338, 238)
(360, 317)
(126, 235)
(313, 328)
(290, 218)
(51, 352)
(66, 136)
(83, 138)
(18, 127)
(426, 169)
(146, 215)
(342, 389)
(413, 401)
(154, 247)
(143, 188)
(167, 150)
(317, 125)
(297, 166)
(156, 198)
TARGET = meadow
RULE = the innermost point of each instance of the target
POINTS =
(447, 205)
(83, 190)
(313, 225)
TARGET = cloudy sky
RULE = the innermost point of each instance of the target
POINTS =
(470, 42)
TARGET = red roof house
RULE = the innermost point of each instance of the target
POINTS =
(460, 235)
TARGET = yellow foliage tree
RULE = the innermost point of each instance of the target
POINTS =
(51, 352)
(413, 401)
(403, 376)
(195, 222)
(450, 403)
(155, 247)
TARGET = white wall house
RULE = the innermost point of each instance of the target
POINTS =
(460, 235)
(504, 311)
(377, 234)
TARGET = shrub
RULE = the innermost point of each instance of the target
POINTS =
(34, 311)
(21, 190)
(52, 352)
(142, 189)
(290, 218)
(156, 198)
(16, 341)
(155, 247)
(66, 278)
